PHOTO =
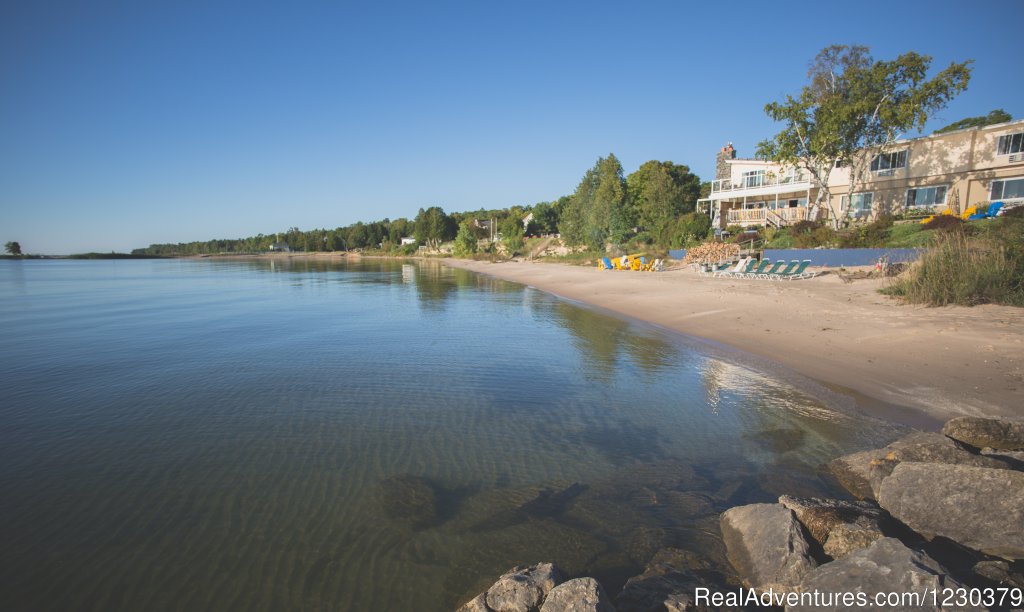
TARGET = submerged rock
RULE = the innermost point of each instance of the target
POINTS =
(998, 434)
(839, 526)
(980, 508)
(766, 545)
(409, 498)
(669, 584)
(886, 566)
(578, 595)
(862, 473)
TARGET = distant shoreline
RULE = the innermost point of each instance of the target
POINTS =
(936, 363)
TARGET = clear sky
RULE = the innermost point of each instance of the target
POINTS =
(129, 123)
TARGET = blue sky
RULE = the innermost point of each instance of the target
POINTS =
(129, 123)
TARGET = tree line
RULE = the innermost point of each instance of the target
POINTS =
(655, 204)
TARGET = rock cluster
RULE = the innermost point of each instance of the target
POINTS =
(938, 511)
(540, 588)
(927, 491)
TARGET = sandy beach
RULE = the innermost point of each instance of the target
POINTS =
(935, 362)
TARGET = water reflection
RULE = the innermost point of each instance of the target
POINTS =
(607, 344)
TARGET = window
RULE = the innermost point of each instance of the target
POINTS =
(889, 161)
(860, 205)
(1007, 188)
(753, 178)
(1010, 143)
(926, 196)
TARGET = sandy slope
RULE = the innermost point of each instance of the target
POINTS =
(940, 361)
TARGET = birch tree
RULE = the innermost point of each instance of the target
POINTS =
(852, 109)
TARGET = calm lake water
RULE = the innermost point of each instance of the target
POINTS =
(375, 435)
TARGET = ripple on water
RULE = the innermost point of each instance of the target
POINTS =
(351, 436)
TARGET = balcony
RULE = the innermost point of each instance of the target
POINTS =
(778, 217)
(760, 185)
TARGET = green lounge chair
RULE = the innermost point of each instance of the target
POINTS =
(796, 273)
(792, 265)
(758, 271)
(739, 269)
(801, 271)
(775, 269)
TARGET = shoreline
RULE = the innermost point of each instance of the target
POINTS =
(927, 364)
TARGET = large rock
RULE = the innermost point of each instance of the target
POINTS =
(862, 473)
(477, 604)
(578, 595)
(523, 588)
(998, 434)
(980, 508)
(766, 545)
(839, 526)
(887, 566)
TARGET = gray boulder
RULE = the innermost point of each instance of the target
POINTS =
(998, 434)
(980, 508)
(477, 604)
(999, 572)
(839, 526)
(862, 473)
(886, 566)
(577, 595)
(767, 546)
(523, 588)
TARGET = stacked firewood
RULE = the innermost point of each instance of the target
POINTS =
(712, 252)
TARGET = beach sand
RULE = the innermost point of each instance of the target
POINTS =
(935, 362)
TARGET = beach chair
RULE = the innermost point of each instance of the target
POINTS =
(991, 213)
(798, 272)
(756, 272)
(775, 269)
(792, 265)
(606, 264)
(740, 267)
(658, 265)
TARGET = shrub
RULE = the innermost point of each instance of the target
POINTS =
(962, 271)
(946, 223)
(1017, 212)
(803, 227)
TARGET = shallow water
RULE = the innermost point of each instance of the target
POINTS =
(272, 434)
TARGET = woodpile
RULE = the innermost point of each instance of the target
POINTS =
(712, 252)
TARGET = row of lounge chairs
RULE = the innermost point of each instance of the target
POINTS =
(630, 262)
(766, 270)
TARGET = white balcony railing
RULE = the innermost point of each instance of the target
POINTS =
(756, 181)
(784, 216)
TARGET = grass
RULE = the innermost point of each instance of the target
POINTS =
(909, 236)
(967, 271)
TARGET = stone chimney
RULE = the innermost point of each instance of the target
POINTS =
(722, 168)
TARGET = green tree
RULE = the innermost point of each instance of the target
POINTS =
(853, 108)
(994, 117)
(13, 248)
(432, 227)
(596, 212)
(511, 228)
(465, 240)
(545, 219)
(659, 192)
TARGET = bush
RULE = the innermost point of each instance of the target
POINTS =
(803, 227)
(962, 271)
(1017, 212)
(946, 223)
